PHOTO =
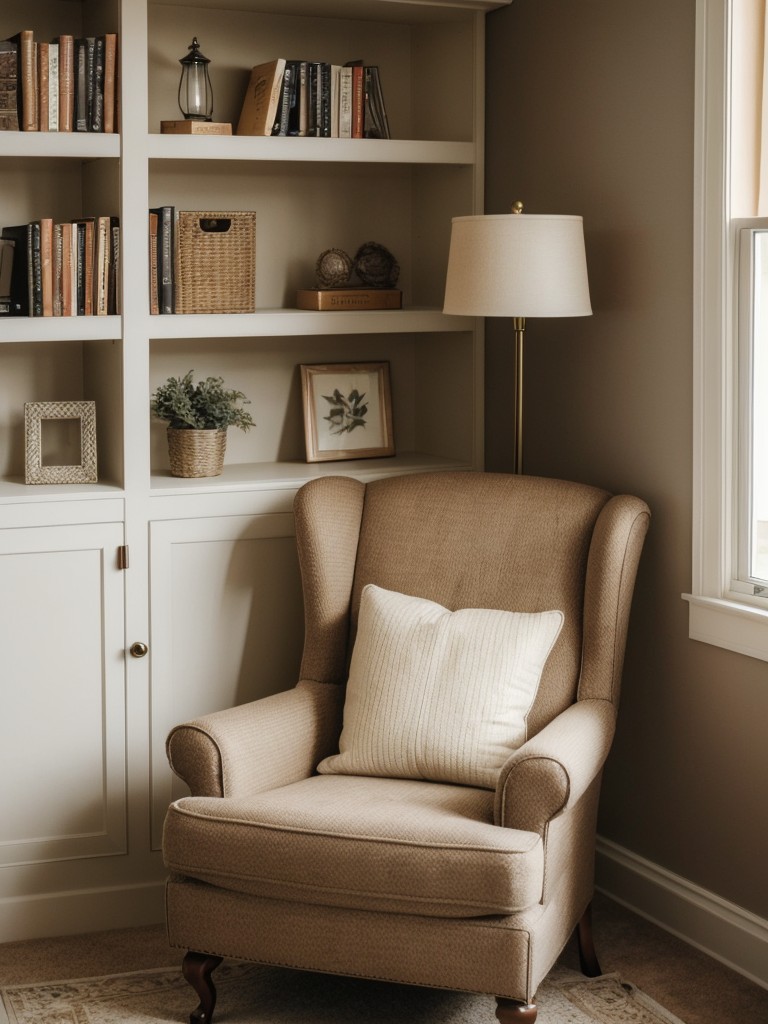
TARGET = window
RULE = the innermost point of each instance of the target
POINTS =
(728, 605)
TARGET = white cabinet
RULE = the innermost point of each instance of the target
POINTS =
(212, 584)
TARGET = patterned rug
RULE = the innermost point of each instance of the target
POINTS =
(249, 994)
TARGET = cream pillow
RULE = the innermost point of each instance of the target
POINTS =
(440, 695)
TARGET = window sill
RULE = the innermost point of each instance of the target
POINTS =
(729, 624)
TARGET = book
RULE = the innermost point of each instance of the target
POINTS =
(9, 86)
(375, 123)
(28, 108)
(166, 248)
(345, 102)
(66, 83)
(261, 100)
(358, 101)
(114, 296)
(110, 81)
(287, 99)
(196, 128)
(68, 270)
(46, 266)
(102, 242)
(96, 87)
(85, 269)
(80, 121)
(43, 92)
(154, 300)
(20, 235)
(7, 246)
(35, 270)
(57, 243)
(53, 87)
(349, 298)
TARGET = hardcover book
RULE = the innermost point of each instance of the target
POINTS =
(262, 98)
(66, 83)
(196, 128)
(9, 86)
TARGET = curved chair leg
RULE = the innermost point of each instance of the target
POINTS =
(197, 969)
(513, 1011)
(587, 955)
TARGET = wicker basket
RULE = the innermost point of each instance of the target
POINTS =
(196, 453)
(215, 267)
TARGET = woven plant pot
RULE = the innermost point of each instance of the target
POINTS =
(196, 452)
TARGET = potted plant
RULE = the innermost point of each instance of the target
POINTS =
(198, 416)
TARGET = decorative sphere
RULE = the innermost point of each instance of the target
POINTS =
(333, 268)
(376, 266)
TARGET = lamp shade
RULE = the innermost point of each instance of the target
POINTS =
(517, 265)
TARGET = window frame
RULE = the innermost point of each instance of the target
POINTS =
(717, 615)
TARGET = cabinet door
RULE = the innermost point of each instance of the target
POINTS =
(226, 624)
(62, 723)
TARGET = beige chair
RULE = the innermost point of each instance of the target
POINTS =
(474, 884)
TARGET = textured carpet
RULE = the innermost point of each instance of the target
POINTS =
(260, 995)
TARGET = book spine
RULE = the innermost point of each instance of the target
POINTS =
(57, 268)
(46, 266)
(43, 93)
(286, 95)
(80, 263)
(110, 81)
(67, 256)
(6, 270)
(154, 302)
(90, 80)
(66, 83)
(29, 112)
(114, 297)
(81, 85)
(96, 105)
(35, 271)
(358, 102)
(166, 228)
(101, 267)
(19, 271)
(325, 101)
(345, 103)
(53, 87)
(9, 86)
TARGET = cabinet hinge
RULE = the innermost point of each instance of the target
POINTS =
(122, 556)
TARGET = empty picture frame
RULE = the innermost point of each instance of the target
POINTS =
(347, 411)
(83, 471)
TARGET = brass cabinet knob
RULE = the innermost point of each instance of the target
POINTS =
(138, 650)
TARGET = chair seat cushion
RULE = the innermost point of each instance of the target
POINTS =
(405, 846)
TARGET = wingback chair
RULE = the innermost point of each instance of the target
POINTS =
(460, 863)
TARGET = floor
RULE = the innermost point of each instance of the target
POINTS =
(697, 989)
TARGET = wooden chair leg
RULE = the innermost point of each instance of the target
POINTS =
(197, 969)
(587, 954)
(514, 1011)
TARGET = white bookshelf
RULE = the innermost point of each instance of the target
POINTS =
(211, 561)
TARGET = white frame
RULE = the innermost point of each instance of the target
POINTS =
(716, 615)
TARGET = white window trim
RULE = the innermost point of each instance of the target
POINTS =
(716, 616)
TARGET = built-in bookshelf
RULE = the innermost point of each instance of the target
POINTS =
(224, 543)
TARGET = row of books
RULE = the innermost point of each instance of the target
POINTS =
(314, 98)
(68, 85)
(61, 269)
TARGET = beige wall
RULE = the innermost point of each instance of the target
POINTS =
(590, 111)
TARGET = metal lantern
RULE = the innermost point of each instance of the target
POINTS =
(195, 93)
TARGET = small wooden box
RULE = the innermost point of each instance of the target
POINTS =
(216, 262)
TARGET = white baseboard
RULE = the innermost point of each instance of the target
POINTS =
(71, 913)
(721, 929)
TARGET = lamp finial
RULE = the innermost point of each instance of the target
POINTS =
(517, 206)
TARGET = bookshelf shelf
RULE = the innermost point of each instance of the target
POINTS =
(309, 151)
(212, 584)
(295, 322)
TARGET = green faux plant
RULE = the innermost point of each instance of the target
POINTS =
(207, 405)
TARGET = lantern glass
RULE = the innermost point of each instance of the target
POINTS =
(195, 92)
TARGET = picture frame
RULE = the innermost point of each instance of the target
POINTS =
(82, 472)
(347, 411)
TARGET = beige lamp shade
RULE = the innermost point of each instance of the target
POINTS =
(517, 265)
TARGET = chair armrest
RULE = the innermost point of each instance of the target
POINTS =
(555, 767)
(258, 746)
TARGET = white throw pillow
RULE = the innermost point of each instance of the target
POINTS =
(440, 695)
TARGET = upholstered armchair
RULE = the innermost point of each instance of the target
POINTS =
(421, 807)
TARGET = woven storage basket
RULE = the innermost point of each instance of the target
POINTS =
(196, 452)
(215, 266)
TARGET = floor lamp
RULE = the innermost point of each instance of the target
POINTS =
(517, 265)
